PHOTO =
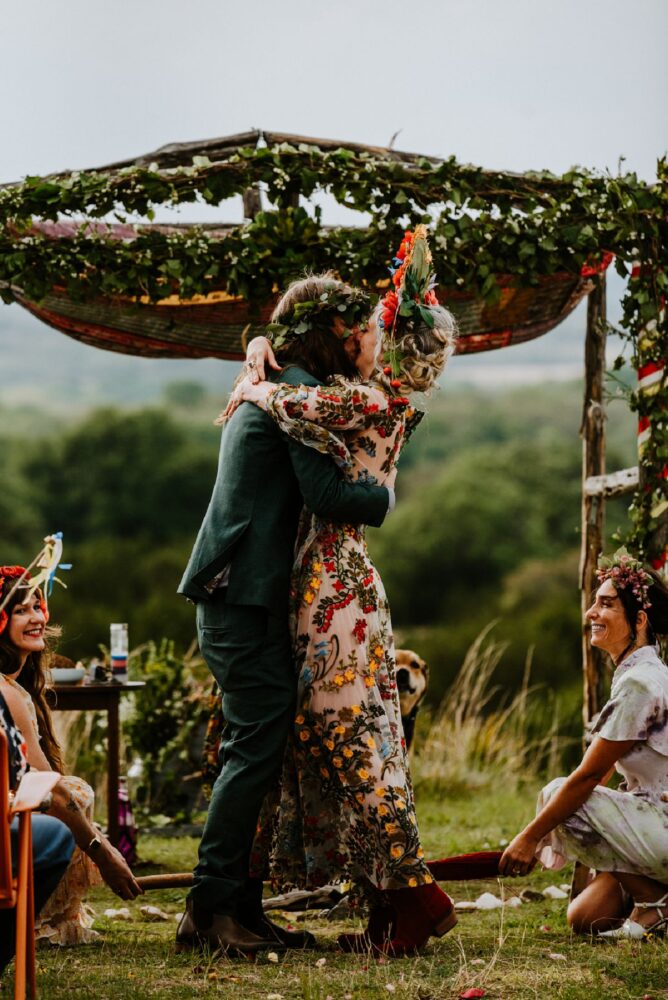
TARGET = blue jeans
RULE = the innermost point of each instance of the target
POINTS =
(52, 848)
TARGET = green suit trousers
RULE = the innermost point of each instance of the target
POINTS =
(248, 650)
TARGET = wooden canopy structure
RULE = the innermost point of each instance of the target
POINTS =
(167, 317)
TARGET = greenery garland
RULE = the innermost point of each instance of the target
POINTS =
(483, 224)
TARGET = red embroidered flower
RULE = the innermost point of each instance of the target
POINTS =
(338, 586)
(359, 630)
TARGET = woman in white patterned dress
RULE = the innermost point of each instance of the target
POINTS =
(620, 833)
(65, 919)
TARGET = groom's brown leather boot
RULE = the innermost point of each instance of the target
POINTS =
(219, 931)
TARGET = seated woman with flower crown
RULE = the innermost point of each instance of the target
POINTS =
(24, 659)
(622, 834)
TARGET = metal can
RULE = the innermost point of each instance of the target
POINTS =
(118, 647)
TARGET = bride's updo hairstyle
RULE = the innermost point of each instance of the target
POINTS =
(423, 351)
(419, 334)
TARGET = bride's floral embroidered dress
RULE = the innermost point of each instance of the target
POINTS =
(346, 805)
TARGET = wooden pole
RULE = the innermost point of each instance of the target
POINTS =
(592, 432)
(593, 507)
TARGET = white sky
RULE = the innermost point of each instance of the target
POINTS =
(515, 84)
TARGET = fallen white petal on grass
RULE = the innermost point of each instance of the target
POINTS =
(465, 904)
(566, 887)
(513, 901)
(321, 961)
(390, 987)
(272, 956)
(488, 901)
(274, 996)
(554, 892)
(122, 914)
(178, 917)
(556, 956)
(477, 961)
(153, 914)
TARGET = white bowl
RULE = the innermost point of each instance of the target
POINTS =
(68, 675)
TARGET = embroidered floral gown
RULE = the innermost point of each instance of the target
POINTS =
(344, 808)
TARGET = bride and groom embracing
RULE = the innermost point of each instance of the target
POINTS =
(294, 624)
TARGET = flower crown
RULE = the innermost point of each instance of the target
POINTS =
(352, 305)
(17, 574)
(625, 571)
(412, 295)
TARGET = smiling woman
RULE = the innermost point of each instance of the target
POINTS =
(621, 833)
(25, 637)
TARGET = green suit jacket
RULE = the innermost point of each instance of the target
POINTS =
(264, 478)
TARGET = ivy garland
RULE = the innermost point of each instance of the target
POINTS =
(483, 224)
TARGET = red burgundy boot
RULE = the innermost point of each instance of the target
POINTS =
(420, 912)
(379, 931)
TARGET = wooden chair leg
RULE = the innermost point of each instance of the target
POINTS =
(30, 924)
(24, 929)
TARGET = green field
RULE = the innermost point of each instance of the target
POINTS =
(526, 951)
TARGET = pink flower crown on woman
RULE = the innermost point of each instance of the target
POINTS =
(625, 571)
(11, 578)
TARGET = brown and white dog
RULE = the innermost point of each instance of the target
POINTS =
(412, 679)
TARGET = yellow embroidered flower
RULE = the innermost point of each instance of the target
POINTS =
(400, 805)
(391, 828)
(379, 652)
(355, 709)
(373, 666)
(304, 735)
(329, 744)
(349, 674)
(363, 774)
(412, 882)
(314, 583)
(300, 720)
(317, 567)
(369, 682)
(309, 596)
(339, 729)
(347, 752)
(370, 742)
(337, 762)
(383, 810)
(420, 852)
(380, 792)
(338, 680)
(428, 879)
(396, 850)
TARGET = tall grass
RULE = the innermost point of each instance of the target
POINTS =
(476, 740)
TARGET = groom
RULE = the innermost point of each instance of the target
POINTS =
(239, 578)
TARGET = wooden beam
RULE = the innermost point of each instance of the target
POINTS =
(615, 484)
(593, 506)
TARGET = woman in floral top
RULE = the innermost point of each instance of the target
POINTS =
(346, 805)
(621, 833)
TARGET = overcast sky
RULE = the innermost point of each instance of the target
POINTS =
(515, 84)
(512, 84)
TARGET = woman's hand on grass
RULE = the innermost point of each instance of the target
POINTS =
(519, 858)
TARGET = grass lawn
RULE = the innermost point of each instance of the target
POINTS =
(515, 952)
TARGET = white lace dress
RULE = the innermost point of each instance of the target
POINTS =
(624, 830)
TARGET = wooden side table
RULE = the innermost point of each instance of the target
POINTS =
(106, 698)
